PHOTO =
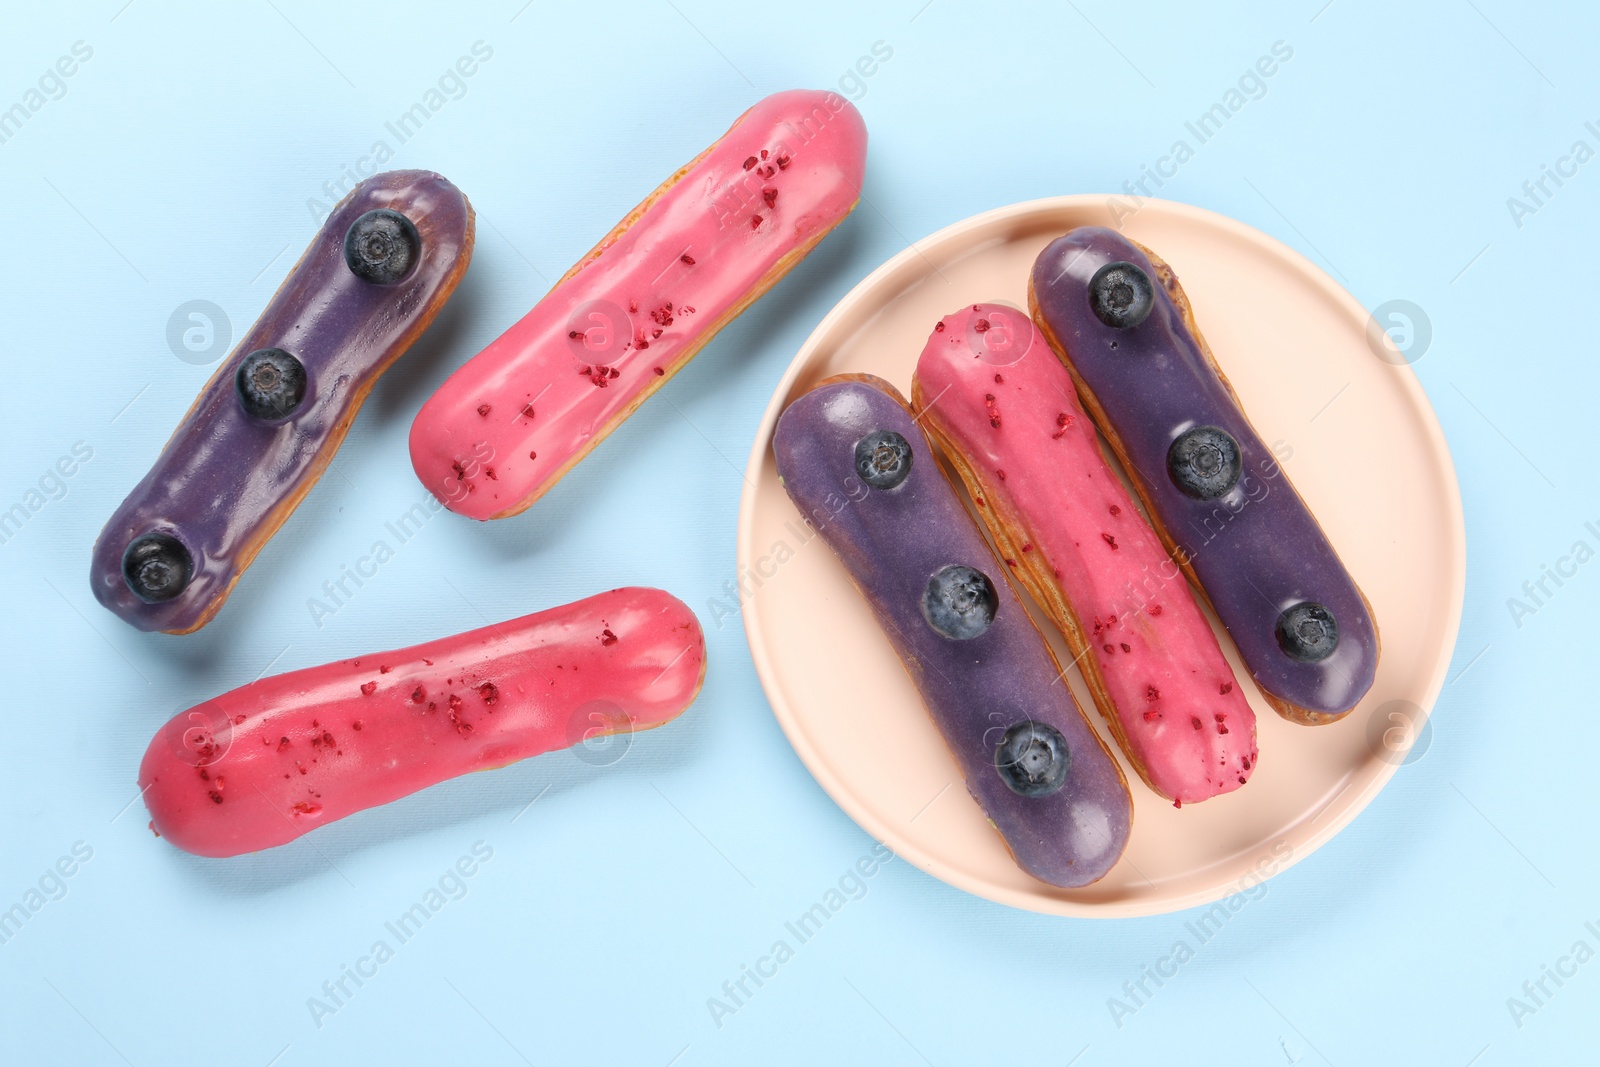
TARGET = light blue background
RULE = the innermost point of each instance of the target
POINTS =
(177, 166)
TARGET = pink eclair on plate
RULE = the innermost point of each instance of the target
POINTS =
(1004, 411)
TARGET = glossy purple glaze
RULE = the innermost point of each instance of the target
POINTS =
(225, 480)
(1256, 550)
(891, 541)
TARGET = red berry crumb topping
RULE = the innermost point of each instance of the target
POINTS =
(607, 637)
(483, 409)
(368, 688)
(994, 412)
(601, 376)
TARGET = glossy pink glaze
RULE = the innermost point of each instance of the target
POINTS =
(990, 385)
(510, 422)
(263, 764)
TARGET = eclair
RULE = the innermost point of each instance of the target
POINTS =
(269, 421)
(989, 681)
(1002, 409)
(683, 264)
(1224, 507)
(263, 764)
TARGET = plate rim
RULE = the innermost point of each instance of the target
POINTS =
(844, 797)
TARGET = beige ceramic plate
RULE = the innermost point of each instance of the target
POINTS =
(1368, 457)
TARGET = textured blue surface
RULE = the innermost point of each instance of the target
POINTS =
(176, 164)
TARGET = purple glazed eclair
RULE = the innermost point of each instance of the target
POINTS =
(989, 681)
(1116, 315)
(269, 421)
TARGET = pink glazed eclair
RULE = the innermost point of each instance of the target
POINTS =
(700, 249)
(268, 762)
(1003, 409)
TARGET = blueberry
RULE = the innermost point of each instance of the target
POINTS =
(883, 459)
(271, 383)
(157, 567)
(1033, 759)
(1121, 295)
(1308, 632)
(1204, 462)
(381, 247)
(959, 602)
